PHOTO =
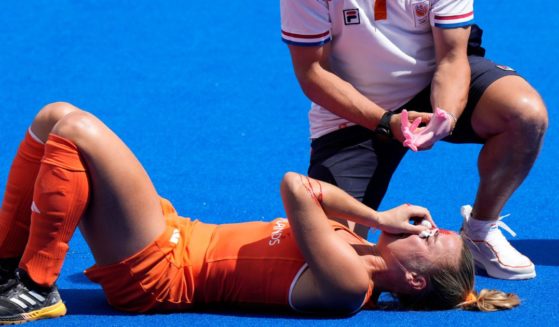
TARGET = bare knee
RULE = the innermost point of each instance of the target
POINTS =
(78, 126)
(522, 115)
(48, 116)
(510, 105)
(529, 116)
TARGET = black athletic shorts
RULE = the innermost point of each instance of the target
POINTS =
(362, 163)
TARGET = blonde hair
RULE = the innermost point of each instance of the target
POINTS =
(490, 300)
(452, 286)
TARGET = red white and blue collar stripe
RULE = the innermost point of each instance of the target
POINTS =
(454, 21)
(306, 40)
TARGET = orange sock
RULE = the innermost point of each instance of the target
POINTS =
(15, 214)
(59, 200)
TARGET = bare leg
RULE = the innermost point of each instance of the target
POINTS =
(513, 118)
(87, 176)
(15, 214)
(124, 213)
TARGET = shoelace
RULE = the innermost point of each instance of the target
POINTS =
(504, 226)
(466, 212)
(497, 239)
(494, 237)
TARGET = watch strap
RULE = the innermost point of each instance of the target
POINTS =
(383, 126)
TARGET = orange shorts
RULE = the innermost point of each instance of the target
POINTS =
(162, 276)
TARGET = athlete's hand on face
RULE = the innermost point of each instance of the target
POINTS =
(397, 220)
(441, 125)
(398, 120)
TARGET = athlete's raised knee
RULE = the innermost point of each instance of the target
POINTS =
(78, 127)
(48, 116)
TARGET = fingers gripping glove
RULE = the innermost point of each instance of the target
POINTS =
(438, 128)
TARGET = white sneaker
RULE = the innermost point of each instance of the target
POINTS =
(491, 250)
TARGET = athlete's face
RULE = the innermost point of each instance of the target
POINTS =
(411, 250)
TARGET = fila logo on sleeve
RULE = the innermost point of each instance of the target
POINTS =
(351, 17)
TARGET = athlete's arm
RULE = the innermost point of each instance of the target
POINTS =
(336, 203)
(330, 91)
(337, 280)
(451, 81)
(339, 276)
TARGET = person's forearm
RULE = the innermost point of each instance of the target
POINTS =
(310, 202)
(338, 204)
(449, 90)
(339, 97)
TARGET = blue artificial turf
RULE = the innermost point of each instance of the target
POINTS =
(204, 94)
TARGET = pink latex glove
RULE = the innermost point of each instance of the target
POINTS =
(438, 128)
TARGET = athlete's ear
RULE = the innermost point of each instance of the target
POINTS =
(416, 281)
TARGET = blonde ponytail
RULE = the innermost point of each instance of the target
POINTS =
(489, 300)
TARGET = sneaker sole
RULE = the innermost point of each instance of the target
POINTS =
(53, 311)
(503, 274)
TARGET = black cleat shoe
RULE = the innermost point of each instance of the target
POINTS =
(25, 302)
(8, 273)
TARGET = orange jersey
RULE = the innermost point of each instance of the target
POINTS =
(191, 263)
(250, 263)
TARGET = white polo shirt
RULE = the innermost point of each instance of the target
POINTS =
(384, 48)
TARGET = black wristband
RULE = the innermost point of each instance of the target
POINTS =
(383, 127)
